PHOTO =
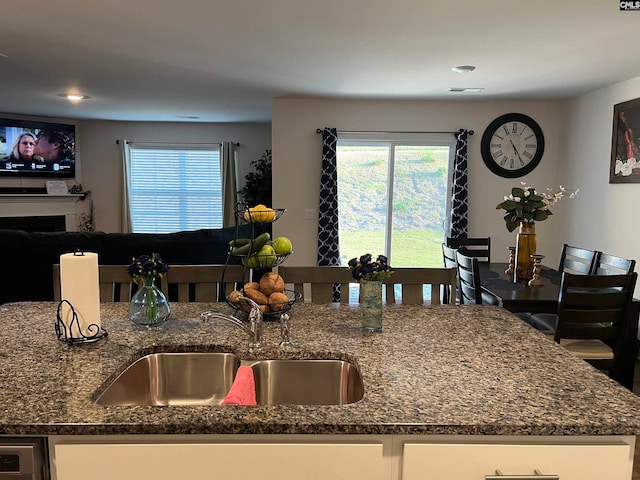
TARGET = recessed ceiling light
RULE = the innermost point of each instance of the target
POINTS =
(73, 97)
(463, 68)
(466, 89)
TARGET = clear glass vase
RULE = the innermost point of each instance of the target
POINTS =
(371, 305)
(525, 247)
(148, 305)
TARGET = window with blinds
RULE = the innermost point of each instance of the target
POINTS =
(174, 188)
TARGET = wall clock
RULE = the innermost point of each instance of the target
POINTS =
(512, 145)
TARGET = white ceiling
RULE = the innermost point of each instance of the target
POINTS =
(225, 60)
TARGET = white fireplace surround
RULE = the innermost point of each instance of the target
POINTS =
(25, 205)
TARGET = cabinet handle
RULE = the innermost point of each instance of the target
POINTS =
(537, 475)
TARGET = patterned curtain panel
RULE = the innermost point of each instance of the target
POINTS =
(328, 246)
(459, 194)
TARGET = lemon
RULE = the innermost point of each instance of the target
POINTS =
(260, 214)
(268, 215)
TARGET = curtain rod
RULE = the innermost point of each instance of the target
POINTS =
(235, 144)
(319, 130)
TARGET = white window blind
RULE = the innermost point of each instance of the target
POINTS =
(174, 187)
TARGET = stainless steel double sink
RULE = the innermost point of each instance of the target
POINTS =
(197, 378)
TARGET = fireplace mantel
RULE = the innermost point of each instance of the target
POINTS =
(43, 204)
(76, 196)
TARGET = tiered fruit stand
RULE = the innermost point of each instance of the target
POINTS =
(249, 252)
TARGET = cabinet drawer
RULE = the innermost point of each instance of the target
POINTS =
(219, 461)
(475, 461)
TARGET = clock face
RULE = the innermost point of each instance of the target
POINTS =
(512, 145)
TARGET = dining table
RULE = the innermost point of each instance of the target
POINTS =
(519, 297)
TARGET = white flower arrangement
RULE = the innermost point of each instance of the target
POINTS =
(525, 204)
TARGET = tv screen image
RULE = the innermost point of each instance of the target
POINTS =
(37, 149)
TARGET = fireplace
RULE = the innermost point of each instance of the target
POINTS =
(35, 223)
(40, 212)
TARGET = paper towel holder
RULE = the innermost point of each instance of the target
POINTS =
(64, 332)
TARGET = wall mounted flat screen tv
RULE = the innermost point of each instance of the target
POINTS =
(37, 149)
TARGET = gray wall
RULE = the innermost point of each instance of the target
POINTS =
(297, 155)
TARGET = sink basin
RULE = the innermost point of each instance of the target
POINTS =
(173, 379)
(307, 382)
(163, 379)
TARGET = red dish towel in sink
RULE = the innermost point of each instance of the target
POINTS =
(243, 390)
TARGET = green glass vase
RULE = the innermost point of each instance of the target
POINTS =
(148, 306)
(371, 305)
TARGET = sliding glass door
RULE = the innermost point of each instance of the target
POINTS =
(393, 196)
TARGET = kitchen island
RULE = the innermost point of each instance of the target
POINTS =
(435, 374)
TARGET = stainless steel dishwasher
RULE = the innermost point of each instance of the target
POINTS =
(23, 458)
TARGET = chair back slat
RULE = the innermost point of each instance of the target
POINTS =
(577, 260)
(469, 279)
(478, 247)
(600, 299)
(323, 292)
(607, 264)
(449, 261)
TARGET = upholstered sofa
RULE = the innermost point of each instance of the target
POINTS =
(28, 258)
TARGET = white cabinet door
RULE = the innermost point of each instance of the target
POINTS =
(219, 461)
(475, 461)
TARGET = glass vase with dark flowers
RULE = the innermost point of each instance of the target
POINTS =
(148, 306)
(371, 274)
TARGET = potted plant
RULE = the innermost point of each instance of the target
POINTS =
(257, 187)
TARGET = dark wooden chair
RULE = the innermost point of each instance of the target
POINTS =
(607, 264)
(320, 281)
(479, 247)
(593, 311)
(413, 280)
(577, 260)
(449, 261)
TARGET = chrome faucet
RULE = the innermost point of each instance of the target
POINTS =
(255, 327)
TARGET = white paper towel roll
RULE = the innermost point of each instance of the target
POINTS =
(79, 285)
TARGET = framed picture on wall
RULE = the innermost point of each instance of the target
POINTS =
(625, 143)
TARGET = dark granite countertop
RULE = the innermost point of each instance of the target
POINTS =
(469, 370)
